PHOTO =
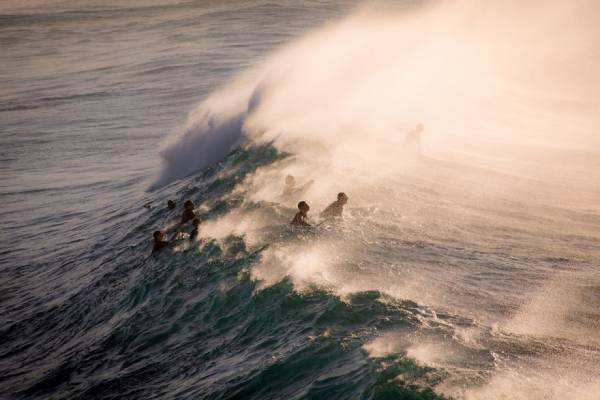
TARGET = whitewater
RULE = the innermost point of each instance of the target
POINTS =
(467, 270)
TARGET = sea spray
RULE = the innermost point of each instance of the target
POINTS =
(354, 88)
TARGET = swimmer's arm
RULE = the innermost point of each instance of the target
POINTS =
(174, 237)
(307, 185)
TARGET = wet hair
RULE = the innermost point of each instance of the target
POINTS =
(342, 195)
(156, 235)
(302, 205)
(188, 203)
(171, 204)
(196, 222)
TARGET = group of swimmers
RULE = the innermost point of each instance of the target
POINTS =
(160, 237)
(334, 210)
(291, 191)
(412, 143)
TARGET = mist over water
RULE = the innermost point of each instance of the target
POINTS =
(467, 270)
(491, 82)
(497, 219)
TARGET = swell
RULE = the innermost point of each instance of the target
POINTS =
(111, 320)
(194, 324)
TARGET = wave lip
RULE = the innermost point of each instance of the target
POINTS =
(212, 131)
(203, 143)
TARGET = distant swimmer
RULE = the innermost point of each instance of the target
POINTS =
(290, 189)
(302, 215)
(170, 205)
(336, 208)
(160, 241)
(413, 139)
(194, 232)
(290, 185)
(188, 212)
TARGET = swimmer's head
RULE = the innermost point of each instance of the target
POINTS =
(188, 205)
(303, 206)
(158, 236)
(196, 222)
(342, 198)
(290, 180)
(171, 204)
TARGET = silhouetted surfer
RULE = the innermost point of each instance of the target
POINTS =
(194, 233)
(188, 212)
(413, 139)
(336, 208)
(160, 241)
(290, 185)
(170, 205)
(290, 190)
(302, 215)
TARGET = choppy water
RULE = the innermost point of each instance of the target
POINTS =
(397, 301)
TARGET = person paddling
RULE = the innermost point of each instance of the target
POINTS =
(302, 215)
(412, 141)
(194, 232)
(188, 212)
(160, 241)
(336, 208)
(291, 191)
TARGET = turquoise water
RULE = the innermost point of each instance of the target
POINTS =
(425, 290)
